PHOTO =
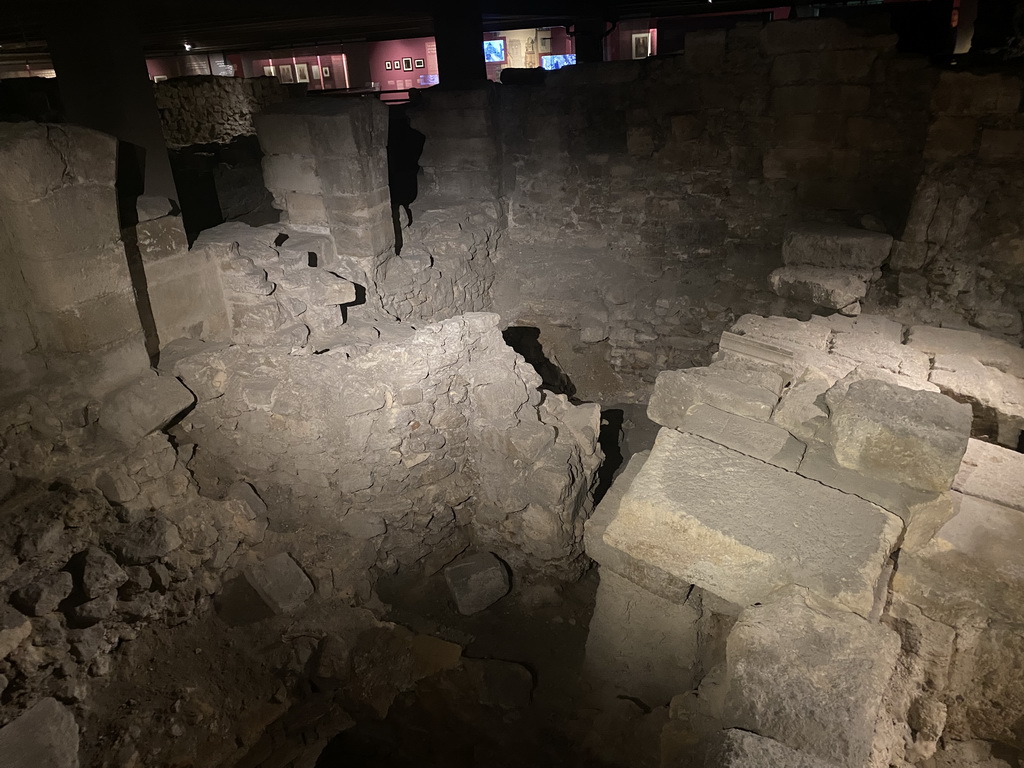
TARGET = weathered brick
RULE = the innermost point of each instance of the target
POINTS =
(998, 145)
(811, 128)
(810, 162)
(950, 137)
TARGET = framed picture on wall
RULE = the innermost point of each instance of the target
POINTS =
(641, 45)
(301, 73)
(326, 71)
(407, 64)
(419, 64)
(314, 71)
(284, 73)
(397, 64)
(269, 71)
(387, 65)
(494, 50)
(544, 44)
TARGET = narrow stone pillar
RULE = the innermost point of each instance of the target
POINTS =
(459, 33)
(59, 232)
(101, 73)
(589, 34)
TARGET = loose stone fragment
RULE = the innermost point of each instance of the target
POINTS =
(45, 736)
(280, 582)
(477, 582)
(148, 404)
(43, 595)
(830, 245)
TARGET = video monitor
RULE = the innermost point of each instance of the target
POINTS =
(494, 50)
(559, 61)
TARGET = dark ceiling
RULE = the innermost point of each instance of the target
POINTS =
(209, 25)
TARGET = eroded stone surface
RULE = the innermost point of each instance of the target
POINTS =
(45, 736)
(477, 582)
(827, 245)
(810, 676)
(740, 528)
(993, 473)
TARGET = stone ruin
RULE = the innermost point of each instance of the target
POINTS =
(280, 495)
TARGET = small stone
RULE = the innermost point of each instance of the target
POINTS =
(44, 595)
(280, 582)
(92, 612)
(477, 581)
(148, 404)
(117, 487)
(149, 540)
(100, 572)
(14, 629)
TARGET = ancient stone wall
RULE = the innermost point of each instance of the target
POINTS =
(959, 254)
(213, 110)
(77, 291)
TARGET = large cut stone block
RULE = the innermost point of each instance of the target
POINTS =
(988, 676)
(914, 437)
(985, 349)
(993, 473)
(837, 247)
(971, 569)
(996, 397)
(676, 391)
(71, 219)
(144, 406)
(640, 572)
(46, 736)
(758, 439)
(640, 644)
(741, 528)
(809, 675)
(160, 238)
(821, 286)
(30, 166)
(477, 582)
(743, 749)
(785, 331)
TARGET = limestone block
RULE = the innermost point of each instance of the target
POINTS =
(90, 325)
(838, 247)
(146, 405)
(950, 137)
(159, 238)
(839, 389)
(784, 331)
(847, 66)
(875, 327)
(740, 528)
(888, 355)
(281, 134)
(993, 473)
(743, 749)
(643, 574)
(45, 736)
(1001, 145)
(756, 373)
(819, 464)
(69, 220)
(30, 166)
(890, 432)
(291, 173)
(996, 397)
(974, 753)
(91, 156)
(676, 391)
(972, 568)
(280, 583)
(640, 644)
(758, 439)
(62, 282)
(802, 409)
(809, 675)
(988, 676)
(821, 286)
(988, 350)
(477, 582)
